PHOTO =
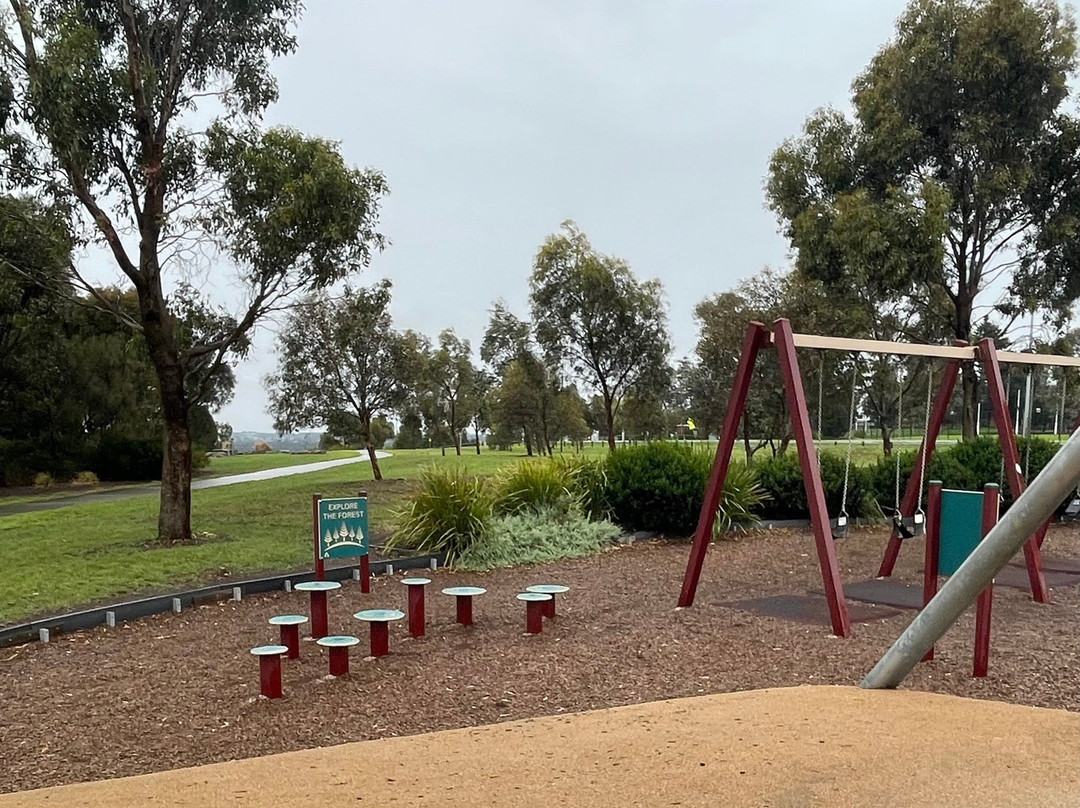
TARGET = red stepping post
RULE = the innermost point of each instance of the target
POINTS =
(416, 604)
(338, 647)
(536, 604)
(548, 589)
(380, 628)
(318, 590)
(290, 632)
(269, 669)
(464, 595)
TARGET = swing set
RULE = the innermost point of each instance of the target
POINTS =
(908, 516)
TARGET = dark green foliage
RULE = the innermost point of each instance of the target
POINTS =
(449, 512)
(203, 428)
(128, 459)
(657, 486)
(535, 486)
(661, 487)
(967, 466)
(782, 479)
(411, 433)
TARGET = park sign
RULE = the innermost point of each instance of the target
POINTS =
(342, 527)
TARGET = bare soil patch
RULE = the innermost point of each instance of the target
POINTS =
(179, 690)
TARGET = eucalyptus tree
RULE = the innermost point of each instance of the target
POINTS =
(593, 317)
(959, 172)
(450, 377)
(341, 364)
(103, 105)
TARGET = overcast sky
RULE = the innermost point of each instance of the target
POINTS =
(648, 123)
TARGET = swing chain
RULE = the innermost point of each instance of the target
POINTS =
(896, 451)
(851, 439)
(926, 436)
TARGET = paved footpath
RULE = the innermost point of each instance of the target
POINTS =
(787, 748)
(211, 482)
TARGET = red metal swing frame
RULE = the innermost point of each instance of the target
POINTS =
(785, 341)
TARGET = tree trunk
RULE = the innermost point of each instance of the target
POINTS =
(527, 436)
(454, 428)
(969, 387)
(610, 417)
(376, 472)
(174, 515)
(886, 441)
(476, 423)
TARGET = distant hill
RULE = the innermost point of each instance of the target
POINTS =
(296, 442)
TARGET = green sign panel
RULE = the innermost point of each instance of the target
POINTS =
(343, 527)
(961, 528)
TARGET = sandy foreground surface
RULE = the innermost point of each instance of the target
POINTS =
(800, 746)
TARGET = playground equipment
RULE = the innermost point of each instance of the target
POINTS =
(318, 590)
(290, 632)
(416, 604)
(956, 522)
(338, 645)
(534, 610)
(464, 595)
(269, 669)
(548, 589)
(1030, 510)
(785, 342)
(379, 620)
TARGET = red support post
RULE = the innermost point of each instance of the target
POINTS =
(339, 660)
(1032, 557)
(320, 571)
(933, 547)
(815, 492)
(380, 638)
(534, 616)
(270, 676)
(991, 498)
(290, 638)
(416, 610)
(549, 607)
(319, 619)
(464, 609)
(756, 337)
(365, 574)
(929, 442)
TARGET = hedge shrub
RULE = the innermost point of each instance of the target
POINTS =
(782, 479)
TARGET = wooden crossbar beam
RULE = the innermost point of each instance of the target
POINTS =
(917, 349)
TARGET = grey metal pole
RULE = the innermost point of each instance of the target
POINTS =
(1060, 476)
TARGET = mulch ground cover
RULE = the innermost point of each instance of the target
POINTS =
(181, 690)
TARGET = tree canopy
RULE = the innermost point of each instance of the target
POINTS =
(341, 365)
(959, 169)
(97, 122)
(593, 317)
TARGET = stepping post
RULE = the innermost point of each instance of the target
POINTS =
(338, 646)
(548, 589)
(290, 632)
(269, 669)
(535, 605)
(380, 628)
(318, 590)
(416, 604)
(464, 595)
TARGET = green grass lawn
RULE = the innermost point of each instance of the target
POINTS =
(243, 464)
(83, 554)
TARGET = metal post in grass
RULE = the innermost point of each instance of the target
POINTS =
(1057, 480)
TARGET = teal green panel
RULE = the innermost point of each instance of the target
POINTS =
(961, 528)
(343, 527)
